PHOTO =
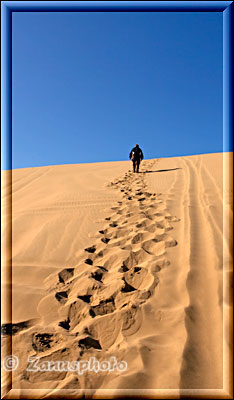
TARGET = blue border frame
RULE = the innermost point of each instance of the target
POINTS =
(228, 78)
(117, 5)
(8, 7)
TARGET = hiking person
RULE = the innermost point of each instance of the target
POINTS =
(136, 155)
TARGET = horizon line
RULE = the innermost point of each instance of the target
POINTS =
(111, 161)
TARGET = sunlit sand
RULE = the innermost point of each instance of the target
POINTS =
(110, 263)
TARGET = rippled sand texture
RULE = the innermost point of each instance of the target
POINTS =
(110, 263)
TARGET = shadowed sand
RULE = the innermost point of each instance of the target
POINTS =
(111, 263)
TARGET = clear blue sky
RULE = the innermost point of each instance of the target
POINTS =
(87, 86)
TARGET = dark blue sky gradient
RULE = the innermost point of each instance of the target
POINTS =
(87, 86)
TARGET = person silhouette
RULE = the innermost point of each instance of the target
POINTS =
(136, 155)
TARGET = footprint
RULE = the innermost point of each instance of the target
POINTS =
(105, 240)
(86, 298)
(86, 285)
(62, 296)
(139, 278)
(127, 287)
(108, 291)
(147, 194)
(91, 249)
(100, 253)
(153, 228)
(124, 299)
(104, 307)
(65, 274)
(144, 223)
(121, 232)
(42, 341)
(113, 224)
(97, 275)
(77, 312)
(89, 343)
(135, 258)
(107, 330)
(146, 215)
(154, 247)
(65, 324)
(152, 206)
(132, 321)
(138, 193)
(88, 261)
(103, 232)
(139, 237)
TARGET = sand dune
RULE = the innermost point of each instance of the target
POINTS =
(107, 263)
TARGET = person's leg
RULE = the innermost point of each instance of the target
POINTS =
(138, 164)
(134, 166)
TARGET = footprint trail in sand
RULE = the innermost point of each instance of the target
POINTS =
(93, 309)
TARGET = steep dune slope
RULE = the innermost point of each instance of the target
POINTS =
(107, 263)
